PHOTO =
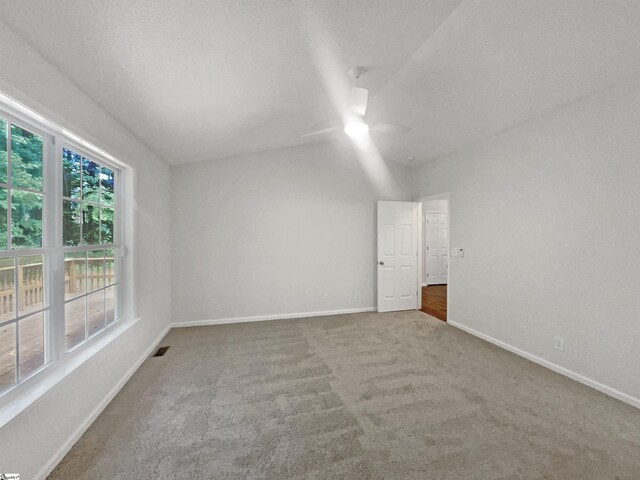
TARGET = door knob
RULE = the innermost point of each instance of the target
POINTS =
(380, 262)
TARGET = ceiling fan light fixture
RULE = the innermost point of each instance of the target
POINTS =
(358, 100)
(353, 114)
(356, 129)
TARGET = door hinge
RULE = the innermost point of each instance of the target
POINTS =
(427, 248)
(427, 274)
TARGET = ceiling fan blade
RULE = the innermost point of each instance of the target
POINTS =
(389, 128)
(358, 100)
(318, 133)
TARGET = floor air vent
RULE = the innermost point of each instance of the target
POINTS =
(161, 351)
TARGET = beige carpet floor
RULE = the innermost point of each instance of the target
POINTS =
(366, 396)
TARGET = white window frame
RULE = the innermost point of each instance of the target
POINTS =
(58, 362)
(61, 249)
(46, 248)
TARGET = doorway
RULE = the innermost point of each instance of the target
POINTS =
(435, 255)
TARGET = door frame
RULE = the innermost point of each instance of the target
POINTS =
(422, 239)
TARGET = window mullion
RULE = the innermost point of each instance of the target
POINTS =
(16, 303)
(9, 155)
(56, 270)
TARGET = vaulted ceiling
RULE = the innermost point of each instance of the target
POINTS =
(198, 80)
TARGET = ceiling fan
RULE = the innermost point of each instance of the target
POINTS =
(354, 124)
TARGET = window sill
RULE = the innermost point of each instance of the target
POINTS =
(23, 395)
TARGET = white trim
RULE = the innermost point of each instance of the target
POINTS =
(262, 318)
(419, 261)
(601, 387)
(71, 441)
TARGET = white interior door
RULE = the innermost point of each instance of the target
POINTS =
(437, 252)
(397, 256)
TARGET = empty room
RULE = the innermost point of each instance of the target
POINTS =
(319, 239)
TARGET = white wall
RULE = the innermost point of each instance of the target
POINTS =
(548, 214)
(273, 233)
(36, 435)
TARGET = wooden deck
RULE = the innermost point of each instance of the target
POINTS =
(82, 274)
(32, 333)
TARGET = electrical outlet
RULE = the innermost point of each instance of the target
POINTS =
(523, 331)
(325, 298)
(215, 305)
(558, 343)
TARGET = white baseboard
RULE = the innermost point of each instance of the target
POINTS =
(64, 449)
(612, 392)
(262, 318)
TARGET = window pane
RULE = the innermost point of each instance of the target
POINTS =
(110, 304)
(95, 269)
(71, 223)
(75, 274)
(95, 312)
(90, 224)
(90, 181)
(74, 322)
(107, 180)
(3, 219)
(26, 219)
(110, 266)
(26, 159)
(7, 356)
(72, 166)
(3, 151)
(31, 344)
(106, 225)
(7, 289)
(30, 284)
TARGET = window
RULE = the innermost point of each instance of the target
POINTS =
(59, 245)
(23, 286)
(88, 219)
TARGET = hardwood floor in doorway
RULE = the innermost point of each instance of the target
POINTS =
(434, 301)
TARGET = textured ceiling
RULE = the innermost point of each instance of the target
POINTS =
(495, 64)
(202, 80)
(205, 79)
